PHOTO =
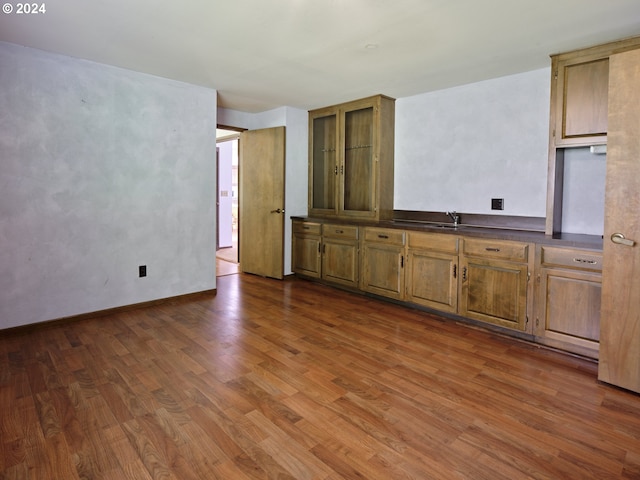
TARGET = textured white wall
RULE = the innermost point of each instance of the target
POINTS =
(457, 148)
(101, 170)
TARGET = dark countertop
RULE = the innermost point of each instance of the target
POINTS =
(593, 242)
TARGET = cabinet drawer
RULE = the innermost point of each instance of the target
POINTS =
(434, 242)
(340, 231)
(514, 251)
(307, 227)
(384, 235)
(572, 258)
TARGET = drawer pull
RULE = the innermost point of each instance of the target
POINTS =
(383, 236)
(339, 231)
(583, 260)
(305, 227)
(491, 249)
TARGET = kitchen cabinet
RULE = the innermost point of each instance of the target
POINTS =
(494, 282)
(569, 287)
(383, 262)
(306, 248)
(351, 150)
(579, 114)
(340, 254)
(580, 83)
(432, 270)
(620, 314)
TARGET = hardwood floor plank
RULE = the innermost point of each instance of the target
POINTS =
(292, 380)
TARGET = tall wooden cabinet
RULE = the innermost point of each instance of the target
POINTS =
(578, 113)
(351, 159)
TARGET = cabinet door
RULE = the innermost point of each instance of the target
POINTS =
(357, 168)
(582, 102)
(306, 254)
(432, 280)
(569, 310)
(340, 261)
(323, 163)
(494, 291)
(383, 270)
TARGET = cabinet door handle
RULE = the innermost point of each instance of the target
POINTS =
(584, 260)
(492, 249)
(621, 240)
(401, 261)
(464, 274)
(455, 271)
(336, 170)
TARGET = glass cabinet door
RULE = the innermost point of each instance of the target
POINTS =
(323, 163)
(358, 161)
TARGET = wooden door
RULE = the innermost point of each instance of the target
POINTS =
(620, 315)
(261, 178)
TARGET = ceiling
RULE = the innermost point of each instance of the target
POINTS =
(262, 54)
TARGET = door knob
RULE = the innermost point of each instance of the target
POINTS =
(621, 240)
(278, 210)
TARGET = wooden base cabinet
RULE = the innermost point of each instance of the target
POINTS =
(340, 254)
(569, 286)
(306, 248)
(383, 262)
(432, 271)
(494, 282)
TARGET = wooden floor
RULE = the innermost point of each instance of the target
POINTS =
(291, 380)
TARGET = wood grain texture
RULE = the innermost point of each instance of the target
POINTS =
(293, 380)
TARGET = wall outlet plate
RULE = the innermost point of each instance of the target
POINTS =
(497, 204)
(142, 271)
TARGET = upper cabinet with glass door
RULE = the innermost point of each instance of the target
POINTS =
(351, 159)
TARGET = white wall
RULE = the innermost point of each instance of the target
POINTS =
(296, 173)
(455, 149)
(101, 170)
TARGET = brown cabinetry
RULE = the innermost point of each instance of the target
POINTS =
(383, 262)
(306, 248)
(578, 114)
(432, 270)
(351, 159)
(580, 82)
(340, 254)
(494, 282)
(569, 285)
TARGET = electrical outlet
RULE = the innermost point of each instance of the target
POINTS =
(497, 204)
(142, 271)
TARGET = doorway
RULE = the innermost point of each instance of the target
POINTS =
(227, 194)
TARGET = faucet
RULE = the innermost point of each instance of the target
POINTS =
(455, 217)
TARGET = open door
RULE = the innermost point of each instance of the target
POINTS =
(620, 312)
(262, 156)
